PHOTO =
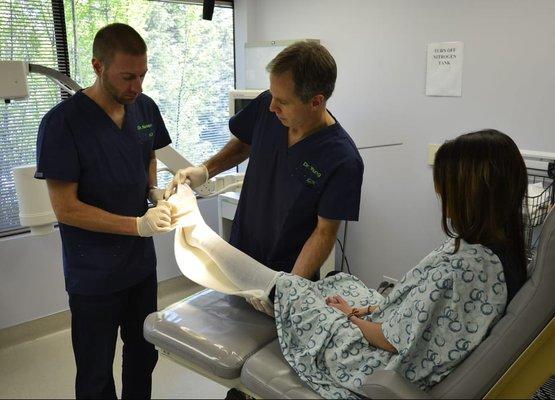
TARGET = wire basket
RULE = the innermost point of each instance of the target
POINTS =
(541, 195)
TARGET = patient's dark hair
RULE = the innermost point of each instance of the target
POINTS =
(482, 181)
(117, 38)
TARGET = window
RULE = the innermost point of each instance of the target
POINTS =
(32, 31)
(190, 61)
(191, 70)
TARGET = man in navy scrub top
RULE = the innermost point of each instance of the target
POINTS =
(304, 174)
(96, 152)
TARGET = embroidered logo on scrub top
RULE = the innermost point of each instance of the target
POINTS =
(141, 130)
(313, 175)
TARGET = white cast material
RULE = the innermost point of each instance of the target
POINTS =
(205, 258)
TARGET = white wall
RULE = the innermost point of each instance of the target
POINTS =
(380, 49)
(32, 282)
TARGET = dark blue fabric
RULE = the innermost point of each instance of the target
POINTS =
(286, 189)
(515, 275)
(78, 142)
(94, 328)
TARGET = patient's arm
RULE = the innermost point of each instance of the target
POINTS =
(372, 332)
(341, 304)
(362, 311)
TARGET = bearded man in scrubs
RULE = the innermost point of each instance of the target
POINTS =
(96, 152)
(304, 174)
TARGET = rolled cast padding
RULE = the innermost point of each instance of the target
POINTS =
(35, 210)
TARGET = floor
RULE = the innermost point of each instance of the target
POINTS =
(45, 368)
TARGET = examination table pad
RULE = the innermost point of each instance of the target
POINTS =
(215, 331)
(224, 336)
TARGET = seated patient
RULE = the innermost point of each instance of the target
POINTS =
(436, 315)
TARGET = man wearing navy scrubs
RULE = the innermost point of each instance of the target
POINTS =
(304, 174)
(96, 152)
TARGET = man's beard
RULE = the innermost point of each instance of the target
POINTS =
(111, 90)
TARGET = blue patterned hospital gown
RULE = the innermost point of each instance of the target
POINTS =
(435, 316)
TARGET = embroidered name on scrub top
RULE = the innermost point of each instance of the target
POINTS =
(314, 176)
(145, 131)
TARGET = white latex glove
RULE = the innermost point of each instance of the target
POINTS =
(155, 195)
(156, 220)
(192, 176)
(261, 305)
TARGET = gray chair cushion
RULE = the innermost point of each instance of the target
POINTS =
(527, 314)
(387, 384)
(212, 330)
(268, 375)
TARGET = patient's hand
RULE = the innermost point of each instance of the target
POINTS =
(339, 303)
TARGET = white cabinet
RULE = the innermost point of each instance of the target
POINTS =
(227, 204)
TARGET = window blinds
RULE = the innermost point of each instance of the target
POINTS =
(31, 31)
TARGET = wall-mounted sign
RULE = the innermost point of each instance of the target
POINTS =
(444, 72)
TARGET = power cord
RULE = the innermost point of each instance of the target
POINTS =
(385, 285)
(343, 257)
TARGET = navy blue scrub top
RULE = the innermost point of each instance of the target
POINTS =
(79, 142)
(286, 189)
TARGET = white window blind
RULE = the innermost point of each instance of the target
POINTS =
(32, 31)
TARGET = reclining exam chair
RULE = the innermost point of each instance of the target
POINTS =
(222, 338)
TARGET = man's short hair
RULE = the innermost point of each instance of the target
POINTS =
(312, 66)
(117, 38)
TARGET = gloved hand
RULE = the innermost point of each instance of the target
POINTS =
(192, 176)
(155, 220)
(155, 195)
(260, 305)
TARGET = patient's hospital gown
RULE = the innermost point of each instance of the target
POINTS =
(435, 316)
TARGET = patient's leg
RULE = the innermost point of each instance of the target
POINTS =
(245, 272)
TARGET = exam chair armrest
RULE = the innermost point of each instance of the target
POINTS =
(390, 385)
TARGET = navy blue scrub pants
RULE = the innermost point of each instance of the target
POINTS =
(94, 328)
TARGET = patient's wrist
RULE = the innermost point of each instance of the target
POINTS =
(354, 313)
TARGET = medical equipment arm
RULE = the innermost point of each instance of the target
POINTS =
(317, 248)
(70, 210)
